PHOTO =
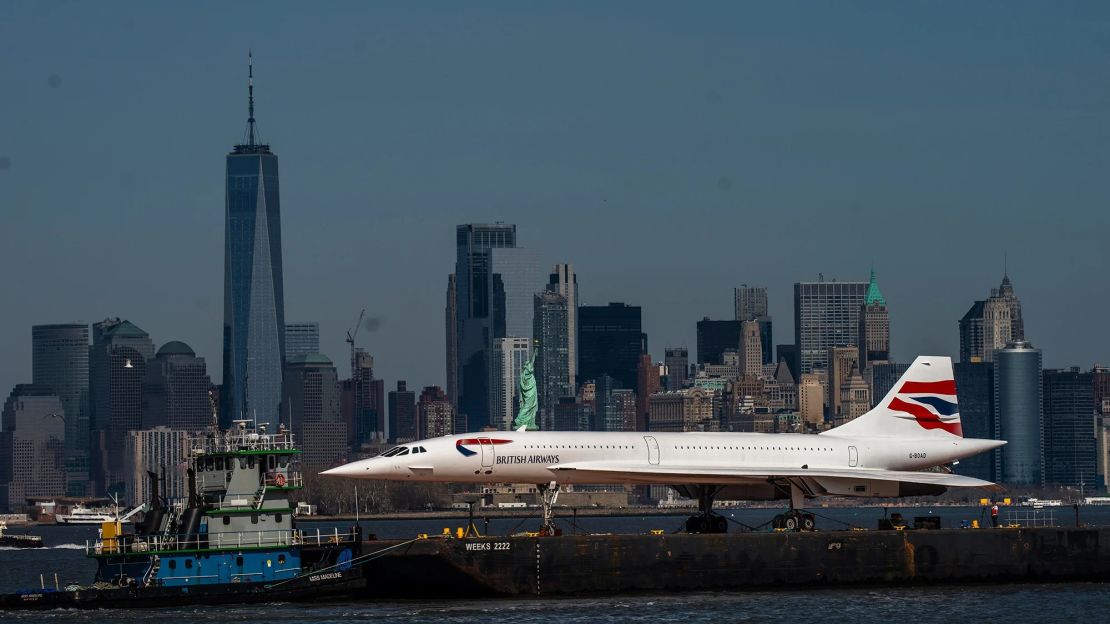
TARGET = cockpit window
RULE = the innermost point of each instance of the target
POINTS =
(404, 451)
(422, 450)
(393, 451)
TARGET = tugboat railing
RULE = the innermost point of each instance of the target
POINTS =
(242, 441)
(161, 544)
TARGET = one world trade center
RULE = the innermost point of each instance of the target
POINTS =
(254, 308)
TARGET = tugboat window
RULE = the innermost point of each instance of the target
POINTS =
(250, 461)
(227, 519)
(281, 559)
(271, 462)
(173, 564)
(254, 518)
(277, 517)
(239, 561)
(189, 564)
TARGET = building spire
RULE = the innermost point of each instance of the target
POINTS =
(250, 99)
(873, 295)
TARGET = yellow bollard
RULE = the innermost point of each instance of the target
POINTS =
(446, 532)
(975, 524)
(460, 533)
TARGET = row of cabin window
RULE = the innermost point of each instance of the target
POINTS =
(753, 448)
(403, 450)
(221, 463)
(238, 561)
(254, 518)
(578, 446)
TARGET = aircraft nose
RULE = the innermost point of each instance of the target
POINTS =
(363, 469)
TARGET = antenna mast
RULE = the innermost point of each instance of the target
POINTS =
(250, 99)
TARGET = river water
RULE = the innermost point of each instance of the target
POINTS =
(1011, 603)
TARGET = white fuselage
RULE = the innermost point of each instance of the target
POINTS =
(532, 457)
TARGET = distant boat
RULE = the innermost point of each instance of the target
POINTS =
(1037, 503)
(85, 515)
(18, 541)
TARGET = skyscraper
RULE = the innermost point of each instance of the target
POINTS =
(552, 368)
(437, 417)
(1018, 414)
(451, 317)
(975, 395)
(32, 447)
(843, 365)
(647, 384)
(117, 370)
(254, 300)
(514, 277)
(716, 337)
(160, 450)
(509, 357)
(1070, 449)
(826, 314)
(882, 377)
(677, 361)
(310, 408)
(874, 327)
(175, 390)
(402, 414)
(751, 305)
(811, 400)
(610, 341)
(619, 411)
(751, 349)
(60, 363)
(367, 399)
(301, 339)
(474, 314)
(564, 281)
(990, 324)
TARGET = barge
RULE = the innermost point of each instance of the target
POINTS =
(609, 564)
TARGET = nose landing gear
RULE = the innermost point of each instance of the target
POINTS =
(549, 493)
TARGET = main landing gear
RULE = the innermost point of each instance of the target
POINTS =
(549, 492)
(795, 519)
(706, 521)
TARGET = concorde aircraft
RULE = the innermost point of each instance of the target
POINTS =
(902, 447)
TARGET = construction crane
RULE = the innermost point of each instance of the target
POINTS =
(351, 335)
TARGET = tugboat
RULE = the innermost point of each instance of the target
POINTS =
(233, 540)
(18, 541)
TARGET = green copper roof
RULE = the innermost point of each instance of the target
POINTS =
(873, 294)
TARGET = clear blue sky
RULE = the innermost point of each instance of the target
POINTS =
(670, 151)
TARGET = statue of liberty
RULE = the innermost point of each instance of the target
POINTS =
(526, 417)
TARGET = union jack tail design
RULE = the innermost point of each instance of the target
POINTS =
(921, 404)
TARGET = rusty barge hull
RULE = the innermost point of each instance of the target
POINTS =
(608, 564)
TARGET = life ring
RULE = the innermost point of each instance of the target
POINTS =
(279, 480)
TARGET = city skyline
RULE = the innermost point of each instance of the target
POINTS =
(163, 217)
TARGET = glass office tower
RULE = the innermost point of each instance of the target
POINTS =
(254, 307)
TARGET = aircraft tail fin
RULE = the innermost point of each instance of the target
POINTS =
(921, 404)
